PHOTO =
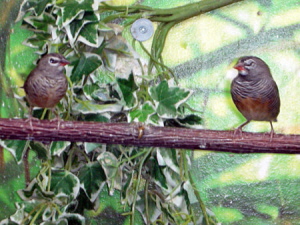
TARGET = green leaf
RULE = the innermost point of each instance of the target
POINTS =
(168, 158)
(39, 6)
(39, 40)
(87, 28)
(57, 147)
(87, 107)
(42, 23)
(128, 88)
(65, 185)
(109, 163)
(71, 10)
(127, 190)
(96, 118)
(94, 92)
(16, 148)
(191, 120)
(158, 174)
(35, 191)
(89, 147)
(86, 64)
(73, 30)
(92, 179)
(152, 212)
(168, 99)
(143, 113)
(39, 149)
(89, 35)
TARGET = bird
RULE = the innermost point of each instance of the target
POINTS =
(254, 92)
(46, 84)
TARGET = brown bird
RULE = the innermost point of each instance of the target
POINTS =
(254, 92)
(46, 84)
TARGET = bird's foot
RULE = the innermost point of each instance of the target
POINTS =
(58, 120)
(29, 120)
(237, 132)
(272, 133)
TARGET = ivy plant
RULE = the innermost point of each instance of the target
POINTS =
(154, 183)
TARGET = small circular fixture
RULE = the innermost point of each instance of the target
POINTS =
(142, 29)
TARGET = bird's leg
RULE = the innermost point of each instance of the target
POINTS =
(240, 128)
(30, 117)
(272, 132)
(57, 117)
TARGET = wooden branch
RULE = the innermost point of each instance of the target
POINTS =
(147, 136)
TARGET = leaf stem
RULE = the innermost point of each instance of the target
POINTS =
(138, 185)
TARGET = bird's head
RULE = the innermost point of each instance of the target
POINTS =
(251, 67)
(53, 61)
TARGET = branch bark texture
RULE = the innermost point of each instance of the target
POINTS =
(134, 134)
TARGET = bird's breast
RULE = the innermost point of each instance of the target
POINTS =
(44, 91)
(257, 100)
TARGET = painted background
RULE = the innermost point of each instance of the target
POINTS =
(240, 189)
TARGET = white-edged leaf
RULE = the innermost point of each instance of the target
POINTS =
(86, 107)
(16, 148)
(86, 64)
(65, 185)
(168, 99)
(58, 147)
(143, 113)
(92, 179)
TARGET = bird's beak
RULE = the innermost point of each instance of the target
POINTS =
(239, 67)
(64, 62)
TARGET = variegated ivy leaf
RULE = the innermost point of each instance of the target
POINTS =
(143, 113)
(65, 185)
(109, 163)
(73, 30)
(168, 99)
(86, 64)
(89, 35)
(87, 107)
(92, 179)
(157, 171)
(128, 88)
(35, 191)
(152, 212)
(168, 158)
(127, 191)
(88, 30)
(94, 92)
(38, 40)
(58, 147)
(89, 147)
(38, 6)
(19, 215)
(179, 197)
(70, 10)
(187, 186)
(39, 149)
(42, 23)
(16, 148)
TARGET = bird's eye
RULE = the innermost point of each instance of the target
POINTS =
(249, 63)
(53, 61)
